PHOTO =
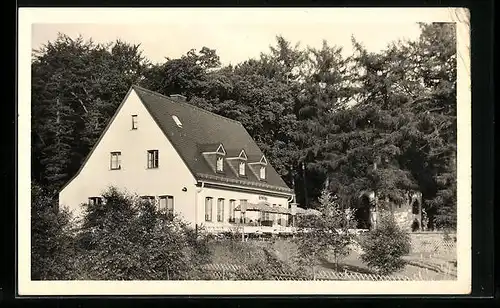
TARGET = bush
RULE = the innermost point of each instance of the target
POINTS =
(328, 233)
(129, 239)
(52, 238)
(124, 238)
(384, 247)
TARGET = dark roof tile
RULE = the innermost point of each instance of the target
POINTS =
(202, 130)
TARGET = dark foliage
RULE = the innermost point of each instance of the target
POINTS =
(385, 246)
(317, 115)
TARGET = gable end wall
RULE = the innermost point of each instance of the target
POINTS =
(134, 177)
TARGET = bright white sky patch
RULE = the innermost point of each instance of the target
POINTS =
(236, 36)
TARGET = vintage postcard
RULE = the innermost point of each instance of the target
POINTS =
(237, 151)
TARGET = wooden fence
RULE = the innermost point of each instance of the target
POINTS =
(241, 272)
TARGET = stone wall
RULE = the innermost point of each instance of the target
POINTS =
(409, 212)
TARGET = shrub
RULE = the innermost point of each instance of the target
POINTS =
(129, 239)
(328, 233)
(384, 247)
(52, 238)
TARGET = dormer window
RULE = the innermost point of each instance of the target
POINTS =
(263, 172)
(242, 168)
(220, 163)
(242, 164)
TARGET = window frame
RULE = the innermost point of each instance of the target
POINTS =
(243, 214)
(232, 211)
(262, 173)
(134, 122)
(168, 211)
(150, 198)
(209, 213)
(117, 155)
(242, 163)
(91, 200)
(153, 161)
(219, 157)
(220, 210)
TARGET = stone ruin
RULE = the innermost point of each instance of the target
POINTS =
(407, 214)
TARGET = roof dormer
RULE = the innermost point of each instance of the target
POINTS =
(263, 160)
(242, 164)
(259, 168)
(214, 154)
(220, 150)
(243, 155)
(237, 160)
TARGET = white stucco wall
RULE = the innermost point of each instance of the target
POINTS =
(134, 177)
(228, 195)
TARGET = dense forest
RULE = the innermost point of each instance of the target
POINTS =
(320, 117)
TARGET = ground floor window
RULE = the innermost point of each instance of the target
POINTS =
(220, 210)
(232, 205)
(95, 200)
(208, 208)
(167, 204)
(243, 209)
(151, 199)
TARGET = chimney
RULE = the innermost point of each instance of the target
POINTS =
(178, 96)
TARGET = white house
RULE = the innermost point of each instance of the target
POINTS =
(204, 167)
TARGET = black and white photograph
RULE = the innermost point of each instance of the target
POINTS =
(187, 151)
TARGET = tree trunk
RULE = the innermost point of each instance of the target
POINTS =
(305, 184)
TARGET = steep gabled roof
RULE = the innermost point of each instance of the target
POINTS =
(202, 130)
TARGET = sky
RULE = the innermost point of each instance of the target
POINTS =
(233, 43)
(236, 37)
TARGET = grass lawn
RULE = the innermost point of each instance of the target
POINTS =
(423, 265)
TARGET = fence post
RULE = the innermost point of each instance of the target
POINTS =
(223, 276)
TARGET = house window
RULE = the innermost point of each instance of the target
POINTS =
(242, 168)
(177, 121)
(220, 210)
(262, 173)
(167, 204)
(95, 200)
(232, 206)
(243, 209)
(115, 160)
(208, 209)
(220, 163)
(134, 121)
(152, 159)
(150, 199)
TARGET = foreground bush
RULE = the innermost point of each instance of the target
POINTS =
(129, 239)
(52, 241)
(327, 234)
(384, 247)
